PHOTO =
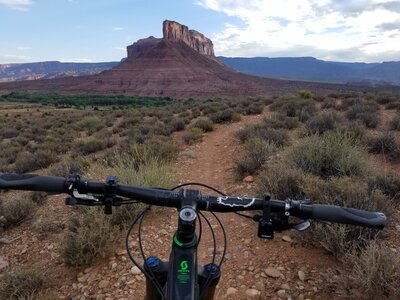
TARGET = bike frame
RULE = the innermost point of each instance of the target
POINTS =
(181, 277)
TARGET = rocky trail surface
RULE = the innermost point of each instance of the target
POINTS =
(254, 269)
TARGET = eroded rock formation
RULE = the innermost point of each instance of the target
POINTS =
(141, 46)
(175, 32)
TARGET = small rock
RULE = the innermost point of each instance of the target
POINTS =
(3, 263)
(282, 293)
(271, 272)
(3, 221)
(248, 179)
(113, 266)
(285, 286)
(398, 227)
(121, 252)
(231, 291)
(302, 275)
(135, 271)
(253, 293)
(260, 285)
(103, 284)
(287, 238)
(301, 297)
(83, 278)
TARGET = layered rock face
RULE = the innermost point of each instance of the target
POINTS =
(175, 32)
(141, 46)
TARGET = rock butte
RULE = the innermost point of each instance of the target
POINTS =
(180, 65)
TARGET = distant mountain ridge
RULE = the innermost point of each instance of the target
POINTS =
(312, 69)
(295, 68)
(50, 69)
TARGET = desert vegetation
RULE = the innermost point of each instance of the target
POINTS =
(333, 155)
(337, 149)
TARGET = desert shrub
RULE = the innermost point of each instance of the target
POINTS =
(161, 148)
(355, 131)
(281, 181)
(253, 109)
(376, 270)
(332, 154)
(394, 124)
(88, 238)
(281, 122)
(89, 145)
(204, 124)
(177, 124)
(305, 94)
(388, 183)
(91, 124)
(15, 211)
(338, 239)
(302, 108)
(223, 116)
(38, 197)
(278, 137)
(322, 122)
(385, 144)
(20, 284)
(346, 103)
(192, 135)
(328, 103)
(73, 165)
(26, 162)
(257, 152)
(152, 172)
(9, 132)
(393, 105)
(367, 112)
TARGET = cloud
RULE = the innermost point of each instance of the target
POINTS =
(118, 28)
(7, 58)
(348, 30)
(23, 48)
(22, 5)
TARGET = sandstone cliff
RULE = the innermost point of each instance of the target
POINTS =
(175, 32)
(141, 46)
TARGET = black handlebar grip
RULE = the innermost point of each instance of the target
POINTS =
(32, 182)
(345, 215)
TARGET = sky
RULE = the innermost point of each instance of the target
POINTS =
(100, 30)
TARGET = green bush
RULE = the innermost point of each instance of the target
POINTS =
(388, 183)
(192, 135)
(89, 145)
(177, 124)
(328, 103)
(367, 112)
(281, 181)
(153, 172)
(88, 238)
(281, 122)
(156, 147)
(394, 124)
(385, 144)
(15, 211)
(91, 124)
(38, 197)
(348, 192)
(278, 137)
(20, 284)
(323, 122)
(223, 116)
(74, 165)
(205, 124)
(376, 271)
(332, 154)
(301, 108)
(257, 153)
(26, 162)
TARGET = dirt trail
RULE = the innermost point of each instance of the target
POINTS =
(248, 257)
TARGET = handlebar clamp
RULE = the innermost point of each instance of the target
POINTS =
(110, 193)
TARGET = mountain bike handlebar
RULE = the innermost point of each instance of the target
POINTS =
(162, 197)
